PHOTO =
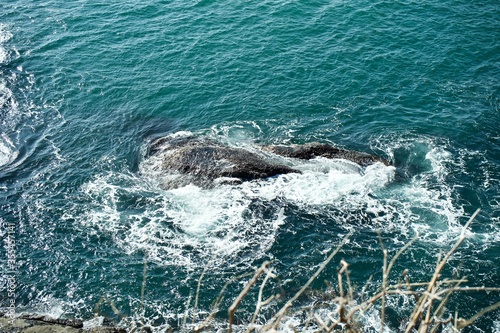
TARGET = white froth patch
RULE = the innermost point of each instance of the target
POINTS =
(322, 182)
(5, 36)
(496, 325)
(7, 150)
(6, 96)
(180, 134)
(370, 319)
(179, 227)
(3, 55)
(95, 322)
(439, 159)
(425, 195)
(243, 133)
(189, 225)
(426, 201)
(50, 306)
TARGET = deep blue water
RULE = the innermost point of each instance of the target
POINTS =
(86, 85)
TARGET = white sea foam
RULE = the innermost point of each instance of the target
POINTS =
(8, 104)
(3, 55)
(238, 134)
(93, 323)
(203, 220)
(220, 222)
(181, 134)
(227, 225)
(49, 306)
(496, 325)
(5, 36)
(7, 150)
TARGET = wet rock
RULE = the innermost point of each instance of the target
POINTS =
(207, 162)
(33, 323)
(312, 150)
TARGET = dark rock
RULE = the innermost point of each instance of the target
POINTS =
(208, 162)
(34, 323)
(216, 161)
(312, 150)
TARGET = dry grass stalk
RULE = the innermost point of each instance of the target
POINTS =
(198, 287)
(261, 303)
(244, 292)
(216, 304)
(275, 320)
(430, 297)
(461, 323)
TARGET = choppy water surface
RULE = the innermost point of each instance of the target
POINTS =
(85, 86)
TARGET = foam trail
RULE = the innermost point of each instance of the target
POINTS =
(7, 150)
(5, 36)
(8, 105)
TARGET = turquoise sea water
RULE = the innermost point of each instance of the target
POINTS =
(86, 85)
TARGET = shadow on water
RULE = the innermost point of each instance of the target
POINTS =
(144, 130)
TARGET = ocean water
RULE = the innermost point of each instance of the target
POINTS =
(86, 85)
